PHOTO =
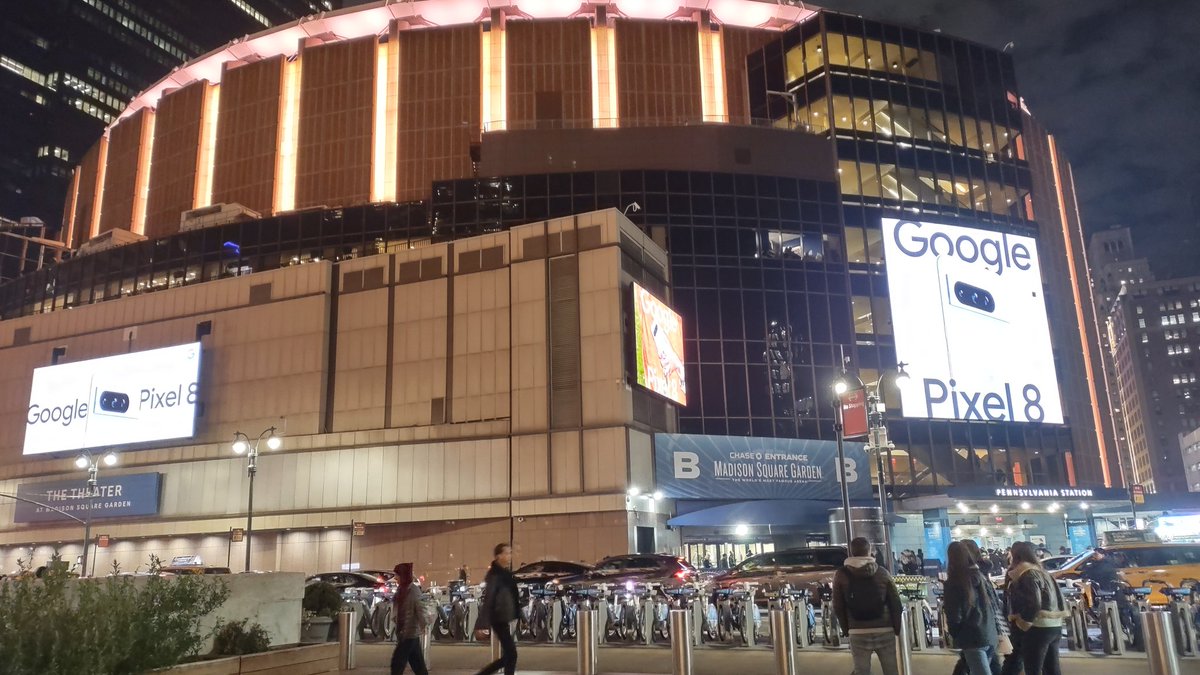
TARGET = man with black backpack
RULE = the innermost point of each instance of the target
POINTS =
(867, 606)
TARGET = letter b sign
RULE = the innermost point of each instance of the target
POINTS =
(687, 465)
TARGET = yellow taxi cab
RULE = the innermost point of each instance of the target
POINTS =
(1143, 564)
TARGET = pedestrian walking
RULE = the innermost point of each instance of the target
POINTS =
(1013, 665)
(410, 623)
(1036, 606)
(867, 606)
(500, 602)
(970, 604)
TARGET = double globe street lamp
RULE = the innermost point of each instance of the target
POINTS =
(877, 439)
(242, 445)
(89, 462)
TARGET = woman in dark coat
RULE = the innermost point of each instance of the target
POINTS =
(970, 604)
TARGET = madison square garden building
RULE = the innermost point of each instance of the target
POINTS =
(579, 275)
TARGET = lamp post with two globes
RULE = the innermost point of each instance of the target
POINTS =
(877, 442)
(89, 462)
(242, 445)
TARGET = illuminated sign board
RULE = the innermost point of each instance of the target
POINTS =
(969, 318)
(115, 400)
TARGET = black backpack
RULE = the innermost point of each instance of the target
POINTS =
(864, 599)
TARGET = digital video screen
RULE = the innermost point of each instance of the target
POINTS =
(659, 346)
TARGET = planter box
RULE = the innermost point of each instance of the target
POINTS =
(311, 659)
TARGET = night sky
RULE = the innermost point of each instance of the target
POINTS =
(1118, 83)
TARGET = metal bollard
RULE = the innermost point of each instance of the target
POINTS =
(904, 645)
(346, 640)
(1160, 643)
(783, 628)
(585, 652)
(681, 650)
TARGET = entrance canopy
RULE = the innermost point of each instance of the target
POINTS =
(773, 512)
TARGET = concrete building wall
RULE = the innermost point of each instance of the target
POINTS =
(401, 398)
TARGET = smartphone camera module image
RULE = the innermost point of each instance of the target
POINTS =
(111, 403)
(973, 296)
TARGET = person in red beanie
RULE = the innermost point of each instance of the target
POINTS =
(410, 621)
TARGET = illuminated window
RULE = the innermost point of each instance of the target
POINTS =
(23, 70)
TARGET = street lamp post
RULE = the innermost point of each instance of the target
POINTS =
(91, 464)
(877, 442)
(242, 445)
(844, 383)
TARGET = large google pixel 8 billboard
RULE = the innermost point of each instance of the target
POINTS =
(970, 320)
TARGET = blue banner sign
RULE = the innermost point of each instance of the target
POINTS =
(738, 467)
(113, 497)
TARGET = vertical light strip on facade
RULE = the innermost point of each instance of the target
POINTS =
(209, 113)
(98, 194)
(604, 78)
(69, 230)
(494, 85)
(285, 147)
(379, 129)
(1087, 353)
(141, 180)
(712, 76)
(384, 132)
(392, 120)
(1087, 270)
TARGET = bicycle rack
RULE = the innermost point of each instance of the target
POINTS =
(1110, 628)
(1184, 626)
(800, 609)
(749, 614)
(556, 619)
(1076, 626)
(918, 639)
(699, 608)
(472, 602)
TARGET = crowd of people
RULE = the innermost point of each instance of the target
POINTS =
(996, 637)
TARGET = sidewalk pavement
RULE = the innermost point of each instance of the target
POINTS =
(373, 659)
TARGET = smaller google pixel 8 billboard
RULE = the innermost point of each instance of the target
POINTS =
(114, 400)
(970, 321)
(658, 346)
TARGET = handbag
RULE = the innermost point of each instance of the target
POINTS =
(1005, 646)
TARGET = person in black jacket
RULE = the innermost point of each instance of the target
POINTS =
(868, 608)
(500, 602)
(970, 604)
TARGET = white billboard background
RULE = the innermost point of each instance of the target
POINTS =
(969, 317)
(115, 400)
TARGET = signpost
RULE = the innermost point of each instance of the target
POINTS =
(236, 535)
(358, 528)
(102, 541)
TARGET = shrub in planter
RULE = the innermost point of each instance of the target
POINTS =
(321, 604)
(236, 638)
(56, 624)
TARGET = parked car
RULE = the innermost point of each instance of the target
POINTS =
(367, 579)
(656, 568)
(802, 568)
(538, 573)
